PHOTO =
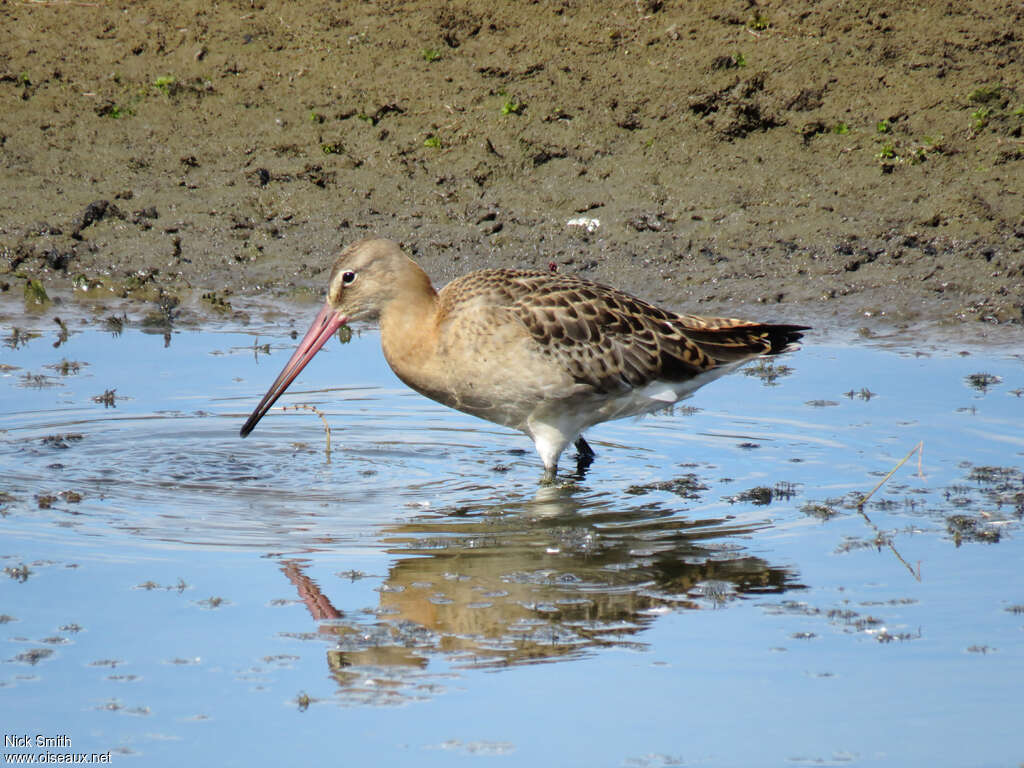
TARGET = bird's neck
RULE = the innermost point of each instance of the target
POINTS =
(408, 328)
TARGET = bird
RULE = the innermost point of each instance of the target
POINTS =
(545, 353)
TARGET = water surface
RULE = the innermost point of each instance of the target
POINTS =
(708, 593)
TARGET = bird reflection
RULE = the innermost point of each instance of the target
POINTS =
(547, 579)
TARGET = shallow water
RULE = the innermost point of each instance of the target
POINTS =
(707, 593)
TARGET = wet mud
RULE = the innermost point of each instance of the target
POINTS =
(850, 165)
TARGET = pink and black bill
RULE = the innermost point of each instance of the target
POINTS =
(326, 323)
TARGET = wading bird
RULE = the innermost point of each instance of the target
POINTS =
(547, 354)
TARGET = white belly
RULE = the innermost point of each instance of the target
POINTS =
(554, 425)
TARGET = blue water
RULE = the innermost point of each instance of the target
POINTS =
(706, 594)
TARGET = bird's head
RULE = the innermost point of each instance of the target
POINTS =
(366, 277)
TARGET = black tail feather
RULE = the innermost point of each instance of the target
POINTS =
(741, 342)
(784, 338)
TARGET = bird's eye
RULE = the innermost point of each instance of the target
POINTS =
(349, 277)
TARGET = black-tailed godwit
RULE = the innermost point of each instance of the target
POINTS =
(544, 353)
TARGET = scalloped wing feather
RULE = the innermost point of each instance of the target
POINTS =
(613, 341)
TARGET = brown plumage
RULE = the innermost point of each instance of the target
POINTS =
(544, 353)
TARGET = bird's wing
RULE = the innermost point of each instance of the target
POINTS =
(600, 336)
(608, 339)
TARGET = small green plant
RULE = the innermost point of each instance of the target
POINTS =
(735, 61)
(315, 117)
(887, 152)
(921, 152)
(431, 54)
(979, 118)
(841, 129)
(23, 80)
(758, 22)
(884, 126)
(986, 94)
(434, 142)
(332, 148)
(165, 83)
(116, 111)
(512, 107)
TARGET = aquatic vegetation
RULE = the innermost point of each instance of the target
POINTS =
(35, 293)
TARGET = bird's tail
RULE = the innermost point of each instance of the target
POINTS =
(726, 340)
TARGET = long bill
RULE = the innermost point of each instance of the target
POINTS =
(326, 323)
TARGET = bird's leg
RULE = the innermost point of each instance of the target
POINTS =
(550, 443)
(584, 457)
(583, 450)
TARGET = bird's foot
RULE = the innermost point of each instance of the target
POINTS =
(584, 457)
(583, 449)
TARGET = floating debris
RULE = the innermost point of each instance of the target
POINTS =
(768, 372)
(686, 486)
(62, 440)
(115, 323)
(860, 394)
(966, 528)
(108, 398)
(34, 656)
(37, 381)
(983, 381)
(18, 338)
(820, 511)
(66, 367)
(18, 572)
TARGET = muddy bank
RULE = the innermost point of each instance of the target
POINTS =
(843, 165)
